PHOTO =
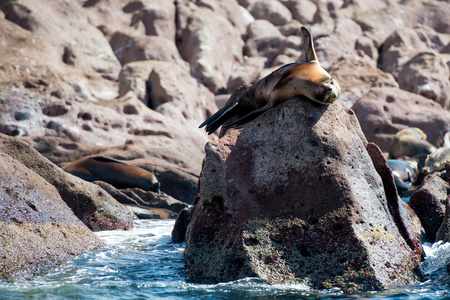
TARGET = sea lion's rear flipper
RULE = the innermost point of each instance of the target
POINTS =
(216, 120)
(310, 53)
(251, 116)
(228, 111)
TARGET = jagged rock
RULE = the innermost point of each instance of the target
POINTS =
(294, 197)
(429, 204)
(340, 42)
(357, 77)
(383, 112)
(129, 47)
(202, 46)
(302, 11)
(415, 66)
(271, 10)
(93, 206)
(136, 196)
(38, 231)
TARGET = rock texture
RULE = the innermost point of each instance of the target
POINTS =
(38, 231)
(294, 197)
(92, 205)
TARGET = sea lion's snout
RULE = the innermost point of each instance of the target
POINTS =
(328, 91)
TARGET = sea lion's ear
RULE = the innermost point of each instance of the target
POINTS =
(310, 53)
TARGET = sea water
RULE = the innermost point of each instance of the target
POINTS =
(145, 264)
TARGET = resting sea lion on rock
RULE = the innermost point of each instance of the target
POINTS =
(436, 160)
(115, 172)
(306, 79)
(410, 142)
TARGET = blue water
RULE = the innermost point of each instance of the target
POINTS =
(144, 264)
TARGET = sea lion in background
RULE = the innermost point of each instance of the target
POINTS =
(115, 172)
(405, 172)
(436, 160)
(410, 142)
(306, 79)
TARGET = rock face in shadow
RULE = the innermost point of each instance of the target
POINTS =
(38, 231)
(294, 197)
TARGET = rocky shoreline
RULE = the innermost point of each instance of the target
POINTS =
(132, 80)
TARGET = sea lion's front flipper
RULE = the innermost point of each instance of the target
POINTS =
(310, 53)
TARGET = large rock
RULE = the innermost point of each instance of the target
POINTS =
(92, 205)
(384, 111)
(271, 10)
(38, 231)
(429, 204)
(410, 56)
(129, 47)
(202, 45)
(356, 77)
(294, 197)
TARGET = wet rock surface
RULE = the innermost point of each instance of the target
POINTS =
(38, 231)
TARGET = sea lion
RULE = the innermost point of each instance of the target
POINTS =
(306, 79)
(410, 142)
(115, 172)
(436, 160)
(405, 172)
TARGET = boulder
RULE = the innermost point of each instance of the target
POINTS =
(202, 45)
(129, 47)
(92, 205)
(271, 10)
(38, 231)
(294, 197)
(382, 112)
(248, 72)
(340, 42)
(408, 55)
(302, 10)
(158, 18)
(356, 77)
(429, 204)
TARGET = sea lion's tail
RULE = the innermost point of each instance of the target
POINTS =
(216, 120)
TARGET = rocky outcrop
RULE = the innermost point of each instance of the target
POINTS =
(92, 205)
(382, 112)
(429, 203)
(294, 197)
(38, 231)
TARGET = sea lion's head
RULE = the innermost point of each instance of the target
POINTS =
(322, 88)
(326, 92)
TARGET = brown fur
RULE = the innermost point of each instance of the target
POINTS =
(306, 79)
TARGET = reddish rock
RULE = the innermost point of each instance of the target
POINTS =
(340, 42)
(301, 10)
(443, 233)
(356, 77)
(158, 18)
(202, 46)
(294, 197)
(130, 47)
(427, 74)
(38, 231)
(382, 112)
(248, 72)
(429, 204)
(270, 10)
(231, 10)
(93, 206)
